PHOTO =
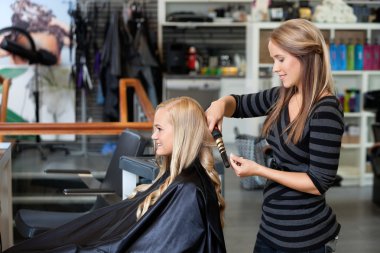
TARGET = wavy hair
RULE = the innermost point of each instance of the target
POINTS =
(192, 139)
(303, 40)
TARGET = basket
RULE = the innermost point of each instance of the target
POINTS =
(251, 147)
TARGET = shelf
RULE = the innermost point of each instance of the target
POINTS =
(204, 24)
(372, 72)
(347, 72)
(355, 72)
(368, 114)
(348, 171)
(369, 145)
(338, 72)
(349, 175)
(265, 65)
(207, 1)
(362, 2)
(352, 114)
(351, 145)
(324, 26)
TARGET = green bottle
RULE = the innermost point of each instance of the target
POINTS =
(350, 55)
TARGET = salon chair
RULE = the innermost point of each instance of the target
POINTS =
(30, 223)
(136, 170)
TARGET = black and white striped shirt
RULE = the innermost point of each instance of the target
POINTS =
(294, 220)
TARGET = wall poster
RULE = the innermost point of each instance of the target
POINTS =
(48, 23)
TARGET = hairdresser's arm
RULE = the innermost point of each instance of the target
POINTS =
(299, 181)
(223, 107)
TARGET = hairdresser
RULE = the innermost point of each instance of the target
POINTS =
(304, 127)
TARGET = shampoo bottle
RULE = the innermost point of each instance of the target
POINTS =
(342, 55)
(376, 55)
(350, 55)
(367, 56)
(333, 55)
(358, 56)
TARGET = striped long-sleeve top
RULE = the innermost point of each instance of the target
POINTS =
(293, 220)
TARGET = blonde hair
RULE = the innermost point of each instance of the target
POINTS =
(304, 40)
(192, 139)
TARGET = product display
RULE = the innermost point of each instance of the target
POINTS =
(352, 56)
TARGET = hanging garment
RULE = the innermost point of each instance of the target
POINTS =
(116, 49)
(142, 62)
(184, 219)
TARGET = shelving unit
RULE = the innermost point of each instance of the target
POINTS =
(354, 167)
(224, 36)
(166, 7)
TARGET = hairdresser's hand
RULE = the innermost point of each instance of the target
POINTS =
(243, 167)
(215, 114)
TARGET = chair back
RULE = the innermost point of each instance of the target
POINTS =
(130, 143)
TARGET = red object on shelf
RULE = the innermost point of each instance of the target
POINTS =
(192, 59)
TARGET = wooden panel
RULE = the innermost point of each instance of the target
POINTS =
(264, 52)
(347, 35)
(326, 35)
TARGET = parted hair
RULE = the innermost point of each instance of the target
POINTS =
(302, 39)
(192, 139)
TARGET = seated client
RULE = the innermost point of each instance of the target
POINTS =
(181, 211)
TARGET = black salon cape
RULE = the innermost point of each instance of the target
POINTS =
(184, 219)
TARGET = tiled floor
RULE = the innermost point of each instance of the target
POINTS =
(359, 217)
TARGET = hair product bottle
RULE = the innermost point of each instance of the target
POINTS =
(333, 55)
(305, 10)
(342, 55)
(350, 55)
(376, 55)
(367, 56)
(358, 55)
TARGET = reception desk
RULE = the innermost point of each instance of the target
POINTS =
(6, 217)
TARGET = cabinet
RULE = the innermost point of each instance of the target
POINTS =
(354, 166)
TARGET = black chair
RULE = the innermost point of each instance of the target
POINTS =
(32, 222)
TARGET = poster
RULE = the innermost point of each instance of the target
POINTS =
(48, 23)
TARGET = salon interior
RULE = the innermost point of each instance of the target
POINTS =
(78, 75)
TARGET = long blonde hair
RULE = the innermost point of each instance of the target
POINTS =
(304, 40)
(192, 139)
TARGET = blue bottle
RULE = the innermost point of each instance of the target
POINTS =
(359, 55)
(342, 56)
(333, 55)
